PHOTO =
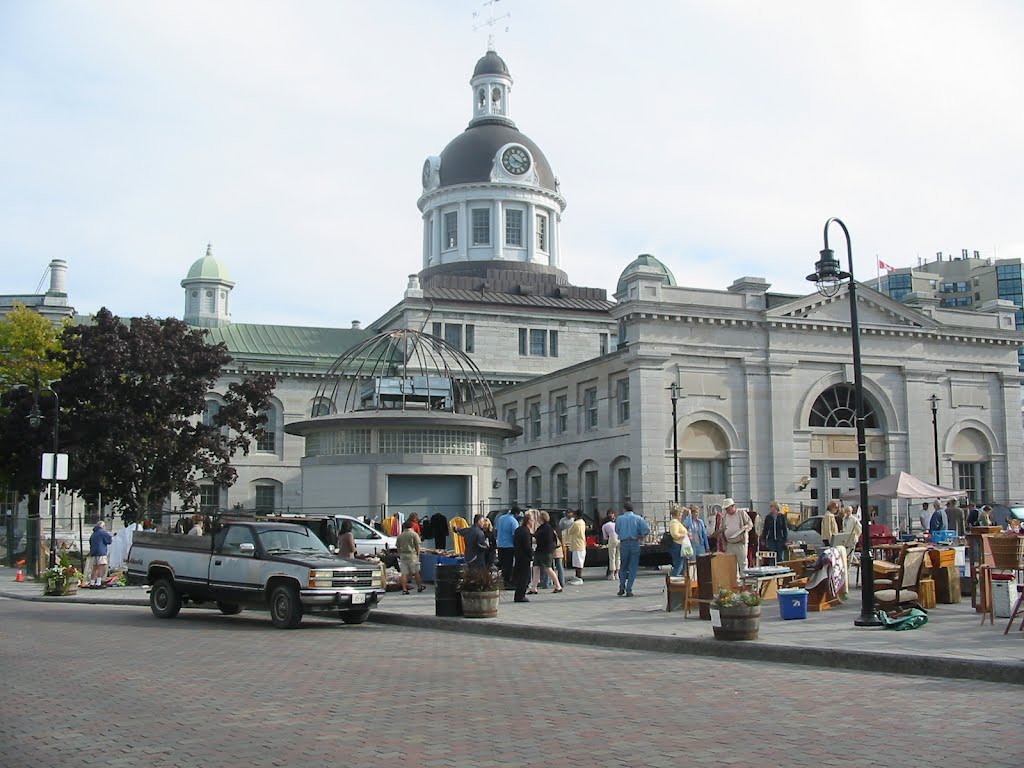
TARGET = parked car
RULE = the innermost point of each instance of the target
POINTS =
(368, 540)
(808, 533)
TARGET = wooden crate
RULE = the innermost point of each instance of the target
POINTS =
(942, 557)
(926, 593)
(948, 588)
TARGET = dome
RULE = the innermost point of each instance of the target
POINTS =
(208, 268)
(649, 265)
(469, 157)
(491, 64)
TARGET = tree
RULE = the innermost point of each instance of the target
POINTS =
(134, 394)
(28, 344)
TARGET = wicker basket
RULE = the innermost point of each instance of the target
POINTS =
(1007, 551)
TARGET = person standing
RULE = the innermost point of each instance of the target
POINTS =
(680, 540)
(955, 517)
(938, 521)
(98, 543)
(736, 527)
(505, 530)
(776, 532)
(829, 522)
(974, 516)
(698, 531)
(576, 541)
(754, 539)
(543, 553)
(522, 546)
(408, 544)
(346, 540)
(556, 558)
(476, 543)
(631, 529)
(492, 546)
(926, 515)
(612, 540)
(567, 520)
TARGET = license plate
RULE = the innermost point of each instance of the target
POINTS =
(358, 598)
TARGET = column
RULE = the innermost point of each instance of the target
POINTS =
(463, 232)
(530, 226)
(498, 233)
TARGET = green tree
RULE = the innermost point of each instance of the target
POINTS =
(134, 394)
(28, 346)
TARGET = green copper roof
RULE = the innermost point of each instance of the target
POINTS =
(286, 346)
(645, 260)
(208, 268)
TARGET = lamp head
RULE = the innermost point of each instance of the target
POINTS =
(34, 418)
(673, 391)
(827, 275)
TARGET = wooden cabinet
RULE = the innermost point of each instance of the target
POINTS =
(714, 572)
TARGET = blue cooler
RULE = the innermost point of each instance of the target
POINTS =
(793, 603)
(942, 537)
(428, 566)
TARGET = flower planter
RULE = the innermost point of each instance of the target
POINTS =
(480, 605)
(61, 588)
(740, 623)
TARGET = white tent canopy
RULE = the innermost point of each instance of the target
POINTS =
(903, 485)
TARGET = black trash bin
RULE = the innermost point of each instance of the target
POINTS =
(447, 598)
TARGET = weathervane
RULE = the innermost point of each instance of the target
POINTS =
(490, 21)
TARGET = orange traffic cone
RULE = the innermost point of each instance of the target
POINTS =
(21, 571)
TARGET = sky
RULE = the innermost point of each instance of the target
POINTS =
(717, 135)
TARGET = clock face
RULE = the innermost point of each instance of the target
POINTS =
(427, 173)
(515, 160)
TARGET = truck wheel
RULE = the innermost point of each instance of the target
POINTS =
(229, 609)
(354, 617)
(164, 601)
(285, 608)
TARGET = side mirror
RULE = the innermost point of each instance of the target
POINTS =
(246, 547)
(333, 548)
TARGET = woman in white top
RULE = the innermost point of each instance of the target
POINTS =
(608, 531)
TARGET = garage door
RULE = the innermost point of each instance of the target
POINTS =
(427, 494)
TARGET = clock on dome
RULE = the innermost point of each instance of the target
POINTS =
(515, 160)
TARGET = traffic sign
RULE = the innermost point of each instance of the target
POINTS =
(50, 470)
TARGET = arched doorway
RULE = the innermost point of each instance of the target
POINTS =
(972, 464)
(704, 455)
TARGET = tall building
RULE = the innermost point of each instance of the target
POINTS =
(965, 282)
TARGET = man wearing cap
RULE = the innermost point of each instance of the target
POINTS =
(631, 529)
(505, 530)
(736, 527)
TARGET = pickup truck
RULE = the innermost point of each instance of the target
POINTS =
(281, 567)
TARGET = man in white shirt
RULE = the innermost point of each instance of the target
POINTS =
(736, 527)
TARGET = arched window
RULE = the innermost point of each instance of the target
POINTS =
(512, 484)
(210, 412)
(560, 486)
(534, 496)
(704, 454)
(268, 495)
(972, 464)
(267, 440)
(835, 407)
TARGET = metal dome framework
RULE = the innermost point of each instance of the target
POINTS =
(406, 370)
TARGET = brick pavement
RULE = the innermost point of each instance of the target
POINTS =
(209, 690)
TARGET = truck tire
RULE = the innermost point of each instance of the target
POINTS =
(354, 617)
(164, 600)
(229, 609)
(285, 608)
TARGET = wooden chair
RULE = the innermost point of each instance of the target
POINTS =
(681, 591)
(764, 557)
(819, 583)
(903, 588)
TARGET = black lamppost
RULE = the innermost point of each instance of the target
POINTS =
(35, 419)
(674, 394)
(828, 278)
(935, 433)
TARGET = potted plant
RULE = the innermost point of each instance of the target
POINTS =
(480, 589)
(62, 578)
(740, 614)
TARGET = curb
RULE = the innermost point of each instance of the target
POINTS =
(80, 600)
(859, 661)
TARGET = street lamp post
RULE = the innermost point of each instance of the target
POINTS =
(674, 394)
(935, 433)
(828, 278)
(35, 419)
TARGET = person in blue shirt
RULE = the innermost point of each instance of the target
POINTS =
(505, 530)
(698, 531)
(98, 543)
(631, 529)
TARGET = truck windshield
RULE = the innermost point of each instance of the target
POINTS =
(276, 541)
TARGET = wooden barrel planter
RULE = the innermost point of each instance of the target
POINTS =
(480, 605)
(741, 623)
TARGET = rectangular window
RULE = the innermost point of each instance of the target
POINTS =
(622, 400)
(514, 228)
(265, 498)
(704, 476)
(437, 331)
(590, 493)
(590, 408)
(513, 491)
(535, 421)
(602, 347)
(538, 342)
(481, 226)
(542, 232)
(562, 490)
(561, 414)
(522, 342)
(209, 498)
(267, 439)
(471, 338)
(511, 417)
(451, 230)
(453, 334)
(972, 479)
(624, 492)
(553, 343)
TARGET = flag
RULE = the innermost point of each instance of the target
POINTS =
(883, 265)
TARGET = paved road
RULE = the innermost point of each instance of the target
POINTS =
(208, 690)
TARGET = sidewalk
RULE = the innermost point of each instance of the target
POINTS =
(952, 644)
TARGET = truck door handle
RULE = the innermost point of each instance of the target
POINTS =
(216, 562)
